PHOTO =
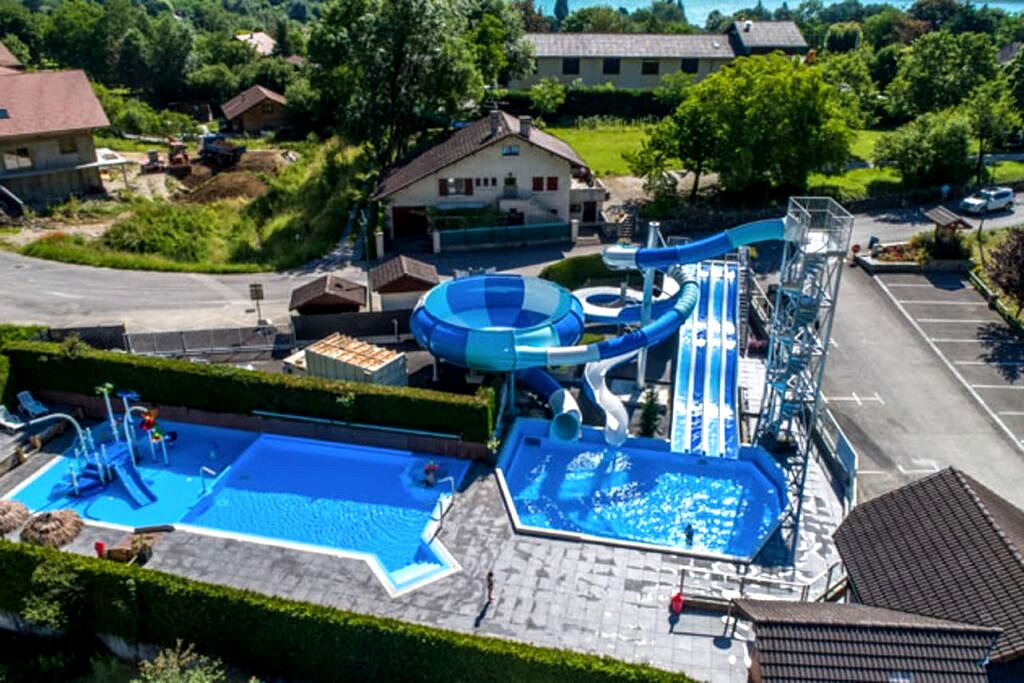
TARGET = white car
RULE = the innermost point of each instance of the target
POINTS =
(988, 199)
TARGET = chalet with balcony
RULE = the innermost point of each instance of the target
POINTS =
(499, 170)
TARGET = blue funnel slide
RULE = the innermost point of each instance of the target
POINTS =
(513, 323)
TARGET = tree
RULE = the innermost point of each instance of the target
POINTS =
(936, 12)
(598, 20)
(181, 665)
(651, 162)
(561, 10)
(939, 70)
(930, 150)
(671, 89)
(547, 95)
(167, 55)
(496, 34)
(849, 73)
(690, 135)
(17, 47)
(1006, 266)
(991, 114)
(533, 20)
(843, 37)
(891, 26)
(386, 68)
(650, 413)
(774, 121)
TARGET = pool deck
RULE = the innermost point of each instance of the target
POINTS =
(586, 597)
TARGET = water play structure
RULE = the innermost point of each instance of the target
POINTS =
(524, 326)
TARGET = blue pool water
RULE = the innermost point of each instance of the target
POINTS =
(642, 492)
(337, 496)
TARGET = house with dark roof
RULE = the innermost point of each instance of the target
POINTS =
(401, 281)
(254, 110)
(945, 547)
(764, 37)
(640, 60)
(46, 145)
(328, 294)
(800, 641)
(503, 169)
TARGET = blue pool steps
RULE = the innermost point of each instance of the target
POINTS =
(119, 463)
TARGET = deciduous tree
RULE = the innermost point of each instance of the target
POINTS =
(1006, 267)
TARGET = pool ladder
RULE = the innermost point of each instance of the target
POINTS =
(444, 510)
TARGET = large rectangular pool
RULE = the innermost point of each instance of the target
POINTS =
(358, 501)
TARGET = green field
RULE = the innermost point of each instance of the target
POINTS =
(863, 146)
(602, 148)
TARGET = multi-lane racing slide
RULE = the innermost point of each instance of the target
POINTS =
(512, 323)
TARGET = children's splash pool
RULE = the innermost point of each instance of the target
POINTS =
(641, 493)
(356, 501)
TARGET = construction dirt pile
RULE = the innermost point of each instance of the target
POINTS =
(233, 184)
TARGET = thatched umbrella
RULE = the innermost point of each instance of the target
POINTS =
(56, 528)
(12, 515)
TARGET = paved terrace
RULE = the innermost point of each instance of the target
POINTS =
(586, 597)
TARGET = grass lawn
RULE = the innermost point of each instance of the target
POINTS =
(863, 146)
(602, 147)
(855, 184)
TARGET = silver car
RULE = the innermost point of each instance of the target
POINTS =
(988, 199)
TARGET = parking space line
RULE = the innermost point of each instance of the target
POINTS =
(854, 398)
(996, 364)
(1007, 387)
(965, 321)
(975, 340)
(1014, 413)
(1017, 441)
(943, 303)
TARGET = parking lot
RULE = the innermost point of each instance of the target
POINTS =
(899, 402)
(974, 343)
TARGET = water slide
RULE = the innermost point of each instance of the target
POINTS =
(128, 474)
(511, 323)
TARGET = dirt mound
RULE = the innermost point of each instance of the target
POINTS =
(229, 185)
(262, 161)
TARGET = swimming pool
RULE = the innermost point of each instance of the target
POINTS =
(641, 493)
(343, 499)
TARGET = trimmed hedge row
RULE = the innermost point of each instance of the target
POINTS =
(623, 103)
(226, 389)
(284, 637)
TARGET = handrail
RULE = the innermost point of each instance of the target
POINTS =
(204, 472)
(804, 587)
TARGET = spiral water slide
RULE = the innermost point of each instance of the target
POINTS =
(511, 323)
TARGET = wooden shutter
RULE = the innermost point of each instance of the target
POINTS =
(442, 187)
(552, 183)
(538, 184)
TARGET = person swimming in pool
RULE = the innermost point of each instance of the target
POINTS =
(430, 473)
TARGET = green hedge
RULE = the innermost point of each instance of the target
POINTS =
(576, 271)
(225, 389)
(283, 637)
(623, 103)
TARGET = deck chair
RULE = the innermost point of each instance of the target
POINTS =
(9, 421)
(30, 405)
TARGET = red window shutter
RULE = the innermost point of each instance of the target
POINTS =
(552, 183)
(538, 184)
(469, 186)
(442, 187)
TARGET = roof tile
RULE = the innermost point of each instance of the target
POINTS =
(48, 102)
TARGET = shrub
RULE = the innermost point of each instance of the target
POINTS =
(650, 413)
(928, 248)
(622, 103)
(293, 639)
(225, 389)
(930, 150)
(576, 271)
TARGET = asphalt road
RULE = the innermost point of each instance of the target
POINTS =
(906, 414)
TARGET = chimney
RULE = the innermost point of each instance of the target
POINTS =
(747, 25)
(495, 123)
(525, 124)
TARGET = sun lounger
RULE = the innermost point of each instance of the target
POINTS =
(9, 421)
(31, 406)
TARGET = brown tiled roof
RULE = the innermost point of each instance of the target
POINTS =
(244, 101)
(638, 45)
(399, 267)
(769, 34)
(471, 139)
(841, 642)
(295, 60)
(7, 58)
(48, 102)
(944, 546)
(259, 41)
(1006, 54)
(943, 217)
(336, 287)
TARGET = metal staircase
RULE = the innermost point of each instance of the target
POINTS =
(818, 236)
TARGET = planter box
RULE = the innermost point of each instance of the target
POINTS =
(873, 266)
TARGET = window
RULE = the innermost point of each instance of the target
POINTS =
(17, 158)
(571, 66)
(4, 114)
(510, 151)
(538, 183)
(476, 181)
(454, 186)
(689, 66)
(68, 145)
(611, 66)
(552, 183)
(649, 68)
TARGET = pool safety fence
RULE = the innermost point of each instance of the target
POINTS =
(262, 338)
(503, 236)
